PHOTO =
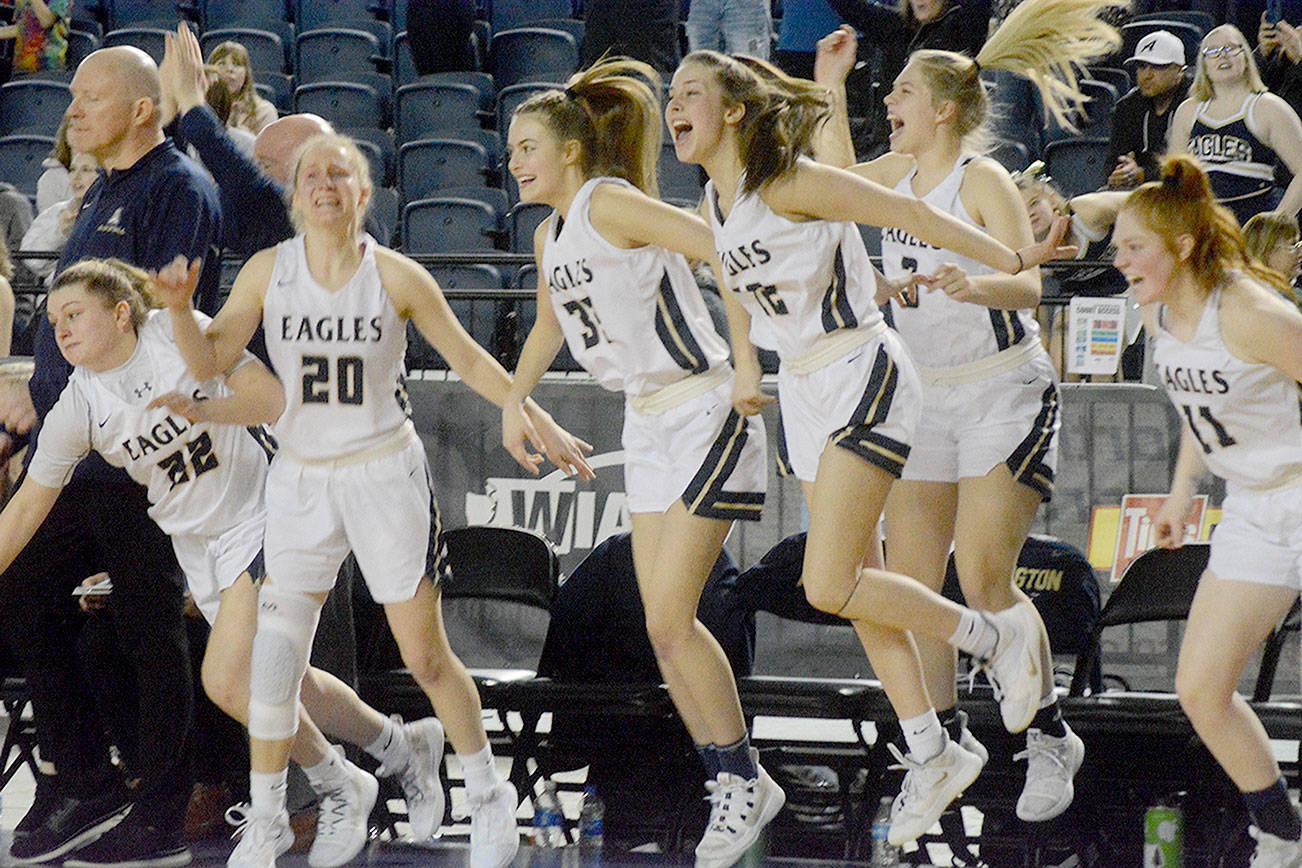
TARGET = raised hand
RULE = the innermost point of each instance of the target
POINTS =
(173, 285)
(1050, 247)
(835, 56)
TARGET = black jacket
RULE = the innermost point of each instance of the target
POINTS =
(1137, 127)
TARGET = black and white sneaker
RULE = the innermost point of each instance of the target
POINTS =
(132, 844)
(72, 822)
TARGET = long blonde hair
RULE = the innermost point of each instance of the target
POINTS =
(1263, 233)
(1043, 40)
(612, 109)
(1202, 89)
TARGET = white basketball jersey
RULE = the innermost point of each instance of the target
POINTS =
(805, 279)
(939, 331)
(202, 479)
(339, 355)
(1247, 417)
(607, 298)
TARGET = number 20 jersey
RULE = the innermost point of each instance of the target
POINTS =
(339, 355)
(202, 479)
(807, 279)
(1245, 416)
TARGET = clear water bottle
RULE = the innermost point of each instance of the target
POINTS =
(591, 821)
(548, 821)
(884, 854)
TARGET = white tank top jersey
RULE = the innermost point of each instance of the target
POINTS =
(939, 331)
(807, 279)
(339, 355)
(605, 297)
(1247, 417)
(202, 479)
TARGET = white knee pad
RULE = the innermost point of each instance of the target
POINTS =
(286, 625)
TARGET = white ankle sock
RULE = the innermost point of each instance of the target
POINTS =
(267, 791)
(329, 774)
(480, 771)
(975, 634)
(390, 746)
(924, 735)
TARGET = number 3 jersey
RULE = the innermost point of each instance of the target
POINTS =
(202, 479)
(633, 318)
(1246, 416)
(339, 355)
(804, 279)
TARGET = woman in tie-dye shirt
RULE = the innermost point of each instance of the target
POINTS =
(40, 34)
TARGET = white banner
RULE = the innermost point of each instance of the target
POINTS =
(1095, 330)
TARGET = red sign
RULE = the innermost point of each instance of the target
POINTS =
(1135, 529)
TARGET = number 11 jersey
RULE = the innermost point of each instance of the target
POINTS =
(338, 354)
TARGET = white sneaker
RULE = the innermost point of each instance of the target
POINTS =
(421, 787)
(739, 811)
(494, 836)
(968, 741)
(1051, 765)
(1013, 670)
(263, 837)
(1274, 852)
(929, 788)
(343, 820)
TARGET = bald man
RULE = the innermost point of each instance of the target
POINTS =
(149, 205)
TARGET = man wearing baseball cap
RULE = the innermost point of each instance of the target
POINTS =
(1142, 117)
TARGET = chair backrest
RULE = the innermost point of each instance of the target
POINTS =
(507, 14)
(522, 221)
(313, 14)
(266, 14)
(1158, 586)
(480, 81)
(502, 563)
(378, 145)
(1013, 156)
(133, 13)
(1117, 76)
(278, 88)
(32, 107)
(429, 165)
(1079, 165)
(80, 44)
(436, 109)
(266, 49)
(21, 158)
(1204, 21)
(150, 40)
(404, 68)
(1016, 109)
(533, 54)
(449, 225)
(1270, 655)
(320, 55)
(344, 104)
(388, 210)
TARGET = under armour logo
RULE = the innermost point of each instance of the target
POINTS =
(143, 389)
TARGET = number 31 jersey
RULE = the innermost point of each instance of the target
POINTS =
(339, 355)
(633, 318)
(202, 479)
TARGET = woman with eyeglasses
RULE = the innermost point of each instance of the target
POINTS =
(1272, 239)
(1237, 130)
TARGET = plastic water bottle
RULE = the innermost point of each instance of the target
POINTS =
(591, 816)
(548, 822)
(884, 854)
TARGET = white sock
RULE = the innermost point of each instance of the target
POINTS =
(267, 791)
(480, 771)
(329, 774)
(975, 634)
(924, 735)
(390, 746)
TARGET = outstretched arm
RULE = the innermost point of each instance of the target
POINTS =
(213, 351)
(257, 399)
(22, 516)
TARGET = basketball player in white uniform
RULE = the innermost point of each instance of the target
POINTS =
(132, 400)
(614, 286)
(986, 447)
(351, 473)
(1229, 353)
(849, 394)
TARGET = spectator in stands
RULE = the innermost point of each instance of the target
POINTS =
(40, 35)
(49, 231)
(52, 186)
(1237, 130)
(1142, 118)
(249, 111)
(804, 22)
(1279, 51)
(218, 98)
(6, 300)
(438, 33)
(1272, 239)
(151, 205)
(730, 26)
(1211, 309)
(653, 40)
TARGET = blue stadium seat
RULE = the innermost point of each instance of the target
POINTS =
(276, 87)
(378, 146)
(141, 13)
(436, 109)
(344, 104)
(387, 209)
(321, 55)
(512, 96)
(404, 69)
(1198, 18)
(32, 107)
(490, 196)
(480, 81)
(506, 14)
(573, 26)
(1078, 165)
(533, 54)
(1097, 119)
(150, 40)
(264, 14)
(80, 44)
(678, 181)
(313, 14)
(449, 226)
(1116, 76)
(266, 49)
(379, 82)
(521, 223)
(429, 165)
(21, 158)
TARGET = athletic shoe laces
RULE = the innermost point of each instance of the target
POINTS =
(732, 800)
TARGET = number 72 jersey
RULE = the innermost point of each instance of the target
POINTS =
(339, 355)
(1245, 416)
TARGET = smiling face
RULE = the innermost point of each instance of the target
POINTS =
(330, 186)
(81, 172)
(1143, 258)
(88, 333)
(695, 113)
(912, 112)
(536, 159)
